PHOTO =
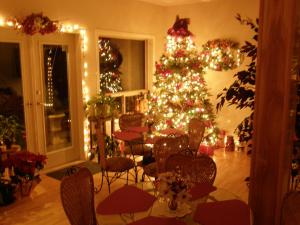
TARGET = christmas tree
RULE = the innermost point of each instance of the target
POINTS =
(180, 91)
(110, 61)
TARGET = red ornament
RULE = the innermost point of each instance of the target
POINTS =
(178, 86)
(169, 123)
(179, 53)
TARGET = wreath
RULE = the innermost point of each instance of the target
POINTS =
(37, 23)
(222, 54)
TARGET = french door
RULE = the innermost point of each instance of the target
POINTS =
(47, 81)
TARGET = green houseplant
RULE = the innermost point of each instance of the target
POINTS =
(101, 105)
(241, 92)
(10, 130)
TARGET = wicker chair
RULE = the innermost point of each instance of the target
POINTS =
(201, 169)
(133, 120)
(290, 214)
(163, 148)
(196, 131)
(77, 196)
(117, 165)
(130, 120)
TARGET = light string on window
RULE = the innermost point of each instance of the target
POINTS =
(222, 54)
(49, 103)
(63, 28)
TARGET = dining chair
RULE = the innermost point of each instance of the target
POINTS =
(163, 148)
(112, 168)
(126, 123)
(77, 196)
(196, 129)
(200, 169)
(290, 213)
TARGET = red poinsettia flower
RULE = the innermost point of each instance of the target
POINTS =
(26, 163)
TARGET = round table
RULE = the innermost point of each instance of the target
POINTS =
(160, 208)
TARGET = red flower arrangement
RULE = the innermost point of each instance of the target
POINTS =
(26, 164)
(37, 23)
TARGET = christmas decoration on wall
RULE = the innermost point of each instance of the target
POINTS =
(110, 61)
(35, 23)
(179, 90)
(222, 54)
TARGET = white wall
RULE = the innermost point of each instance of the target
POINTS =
(209, 20)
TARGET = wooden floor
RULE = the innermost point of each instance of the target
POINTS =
(43, 207)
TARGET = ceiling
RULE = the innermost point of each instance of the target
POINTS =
(173, 2)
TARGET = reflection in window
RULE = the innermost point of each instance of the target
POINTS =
(122, 65)
(11, 91)
(57, 113)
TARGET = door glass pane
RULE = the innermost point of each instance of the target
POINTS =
(56, 93)
(12, 128)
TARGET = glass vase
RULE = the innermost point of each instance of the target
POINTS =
(173, 204)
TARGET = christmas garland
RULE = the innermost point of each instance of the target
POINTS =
(37, 23)
(34, 23)
(222, 54)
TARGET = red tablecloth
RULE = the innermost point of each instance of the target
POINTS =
(151, 220)
(201, 190)
(152, 140)
(230, 212)
(170, 131)
(127, 199)
(127, 135)
(138, 129)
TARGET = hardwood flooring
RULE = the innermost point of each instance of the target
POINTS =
(43, 207)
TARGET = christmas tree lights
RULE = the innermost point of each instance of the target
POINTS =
(180, 91)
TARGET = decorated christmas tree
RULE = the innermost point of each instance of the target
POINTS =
(110, 61)
(180, 91)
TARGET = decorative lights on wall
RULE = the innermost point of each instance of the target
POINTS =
(64, 28)
(222, 54)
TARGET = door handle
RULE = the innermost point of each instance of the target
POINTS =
(40, 103)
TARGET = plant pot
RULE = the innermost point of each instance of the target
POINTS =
(27, 185)
(103, 110)
(7, 191)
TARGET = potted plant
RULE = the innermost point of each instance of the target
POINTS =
(10, 130)
(241, 92)
(7, 187)
(101, 105)
(26, 166)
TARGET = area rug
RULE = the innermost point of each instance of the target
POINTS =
(59, 174)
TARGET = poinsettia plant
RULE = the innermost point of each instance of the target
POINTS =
(26, 164)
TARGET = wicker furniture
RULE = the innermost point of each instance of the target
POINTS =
(117, 166)
(200, 169)
(126, 123)
(196, 131)
(290, 214)
(77, 196)
(130, 120)
(163, 148)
